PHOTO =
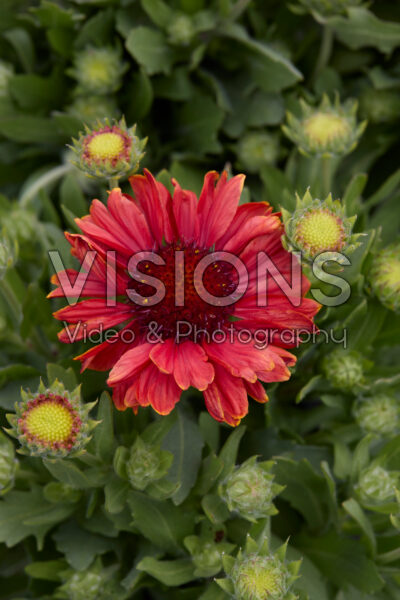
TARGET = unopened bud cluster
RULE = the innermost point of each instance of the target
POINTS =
(318, 226)
(258, 574)
(344, 369)
(379, 414)
(384, 276)
(329, 130)
(250, 489)
(147, 463)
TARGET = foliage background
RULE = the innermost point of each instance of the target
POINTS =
(200, 78)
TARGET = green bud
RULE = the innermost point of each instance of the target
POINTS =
(318, 226)
(250, 489)
(329, 130)
(56, 492)
(181, 30)
(376, 485)
(257, 149)
(384, 276)
(51, 423)
(108, 151)
(344, 369)
(6, 72)
(95, 583)
(206, 554)
(380, 106)
(379, 414)
(258, 574)
(8, 464)
(90, 109)
(98, 70)
(147, 463)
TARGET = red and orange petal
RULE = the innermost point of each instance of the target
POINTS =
(143, 374)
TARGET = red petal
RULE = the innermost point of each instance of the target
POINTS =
(130, 363)
(226, 397)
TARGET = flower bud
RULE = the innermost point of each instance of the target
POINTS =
(20, 224)
(181, 30)
(344, 369)
(319, 226)
(6, 72)
(376, 485)
(258, 574)
(95, 583)
(384, 276)
(250, 489)
(52, 423)
(380, 106)
(257, 149)
(98, 70)
(109, 151)
(379, 414)
(206, 554)
(330, 130)
(147, 463)
(8, 464)
(90, 109)
(56, 492)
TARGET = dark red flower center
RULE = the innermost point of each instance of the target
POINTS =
(188, 277)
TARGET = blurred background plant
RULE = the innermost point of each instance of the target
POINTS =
(281, 91)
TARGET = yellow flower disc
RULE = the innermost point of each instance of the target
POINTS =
(108, 145)
(258, 578)
(49, 422)
(323, 128)
(320, 230)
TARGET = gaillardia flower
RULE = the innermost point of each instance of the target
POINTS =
(108, 150)
(200, 326)
(98, 70)
(318, 226)
(257, 574)
(329, 130)
(384, 276)
(52, 423)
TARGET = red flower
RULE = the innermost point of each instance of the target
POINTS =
(161, 348)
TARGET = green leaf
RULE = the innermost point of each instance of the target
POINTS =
(65, 376)
(66, 471)
(150, 49)
(361, 28)
(27, 513)
(80, 547)
(215, 509)
(159, 12)
(48, 570)
(96, 30)
(103, 436)
(305, 490)
(230, 449)
(185, 442)
(198, 122)
(116, 493)
(72, 197)
(160, 521)
(32, 92)
(22, 43)
(16, 372)
(341, 560)
(352, 507)
(26, 128)
(273, 71)
(169, 572)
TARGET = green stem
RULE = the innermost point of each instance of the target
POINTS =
(11, 301)
(43, 181)
(113, 182)
(325, 51)
(327, 173)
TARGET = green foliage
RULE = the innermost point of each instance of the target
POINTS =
(155, 507)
